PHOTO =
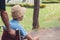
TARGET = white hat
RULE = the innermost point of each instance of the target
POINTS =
(18, 11)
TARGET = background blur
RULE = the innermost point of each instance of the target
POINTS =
(49, 14)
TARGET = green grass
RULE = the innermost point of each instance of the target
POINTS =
(48, 17)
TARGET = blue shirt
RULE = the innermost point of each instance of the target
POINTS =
(14, 24)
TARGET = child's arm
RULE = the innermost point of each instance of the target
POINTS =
(26, 35)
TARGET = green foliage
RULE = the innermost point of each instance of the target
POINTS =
(50, 0)
(42, 5)
(10, 5)
(27, 5)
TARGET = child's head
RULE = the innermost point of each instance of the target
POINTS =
(18, 12)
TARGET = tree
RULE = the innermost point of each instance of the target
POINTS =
(36, 14)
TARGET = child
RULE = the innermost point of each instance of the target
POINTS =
(17, 14)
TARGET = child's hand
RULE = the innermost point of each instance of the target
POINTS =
(36, 38)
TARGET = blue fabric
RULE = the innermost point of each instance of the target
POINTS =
(14, 24)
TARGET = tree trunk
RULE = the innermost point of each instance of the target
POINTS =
(36, 14)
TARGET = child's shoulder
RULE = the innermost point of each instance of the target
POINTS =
(14, 22)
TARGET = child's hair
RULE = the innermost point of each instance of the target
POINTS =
(18, 11)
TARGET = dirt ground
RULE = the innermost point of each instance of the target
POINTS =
(46, 34)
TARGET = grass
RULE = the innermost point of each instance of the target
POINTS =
(48, 17)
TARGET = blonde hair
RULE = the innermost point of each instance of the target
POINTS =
(18, 11)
